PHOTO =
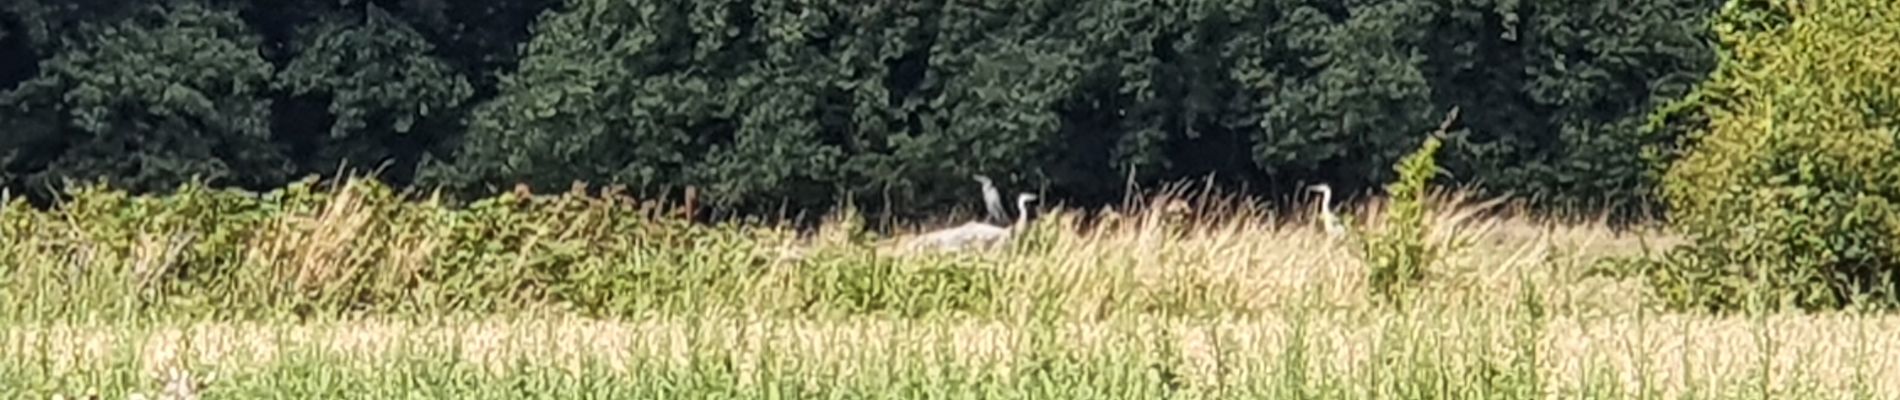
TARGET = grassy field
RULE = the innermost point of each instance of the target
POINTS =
(1320, 355)
(348, 293)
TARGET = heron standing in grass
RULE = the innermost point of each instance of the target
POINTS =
(993, 201)
(1326, 216)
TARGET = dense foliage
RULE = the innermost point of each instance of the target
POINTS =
(322, 250)
(763, 103)
(1398, 255)
(1789, 193)
(162, 94)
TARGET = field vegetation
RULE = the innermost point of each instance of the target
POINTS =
(341, 297)
(347, 290)
(1771, 274)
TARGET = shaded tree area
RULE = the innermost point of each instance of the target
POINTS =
(770, 104)
(150, 94)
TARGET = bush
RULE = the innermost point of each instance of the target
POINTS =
(1787, 195)
(1399, 252)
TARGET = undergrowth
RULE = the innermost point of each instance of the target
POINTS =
(354, 247)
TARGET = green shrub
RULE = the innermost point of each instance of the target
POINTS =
(1787, 195)
(1398, 253)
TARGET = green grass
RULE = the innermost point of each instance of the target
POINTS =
(1312, 356)
(353, 292)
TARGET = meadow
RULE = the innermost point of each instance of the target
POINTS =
(350, 290)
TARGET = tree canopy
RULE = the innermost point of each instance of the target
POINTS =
(768, 103)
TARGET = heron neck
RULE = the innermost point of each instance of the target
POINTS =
(1022, 212)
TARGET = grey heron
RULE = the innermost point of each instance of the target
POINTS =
(1326, 215)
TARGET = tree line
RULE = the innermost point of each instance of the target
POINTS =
(768, 104)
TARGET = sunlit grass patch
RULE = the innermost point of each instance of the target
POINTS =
(1329, 355)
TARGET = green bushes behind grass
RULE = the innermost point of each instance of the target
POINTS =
(356, 246)
(1788, 195)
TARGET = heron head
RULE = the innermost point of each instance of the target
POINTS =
(984, 179)
(1322, 188)
(1026, 197)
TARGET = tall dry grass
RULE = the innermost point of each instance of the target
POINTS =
(356, 247)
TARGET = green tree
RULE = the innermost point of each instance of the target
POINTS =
(168, 92)
(1349, 94)
(1557, 92)
(383, 87)
(767, 102)
(752, 100)
(1788, 193)
(902, 102)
